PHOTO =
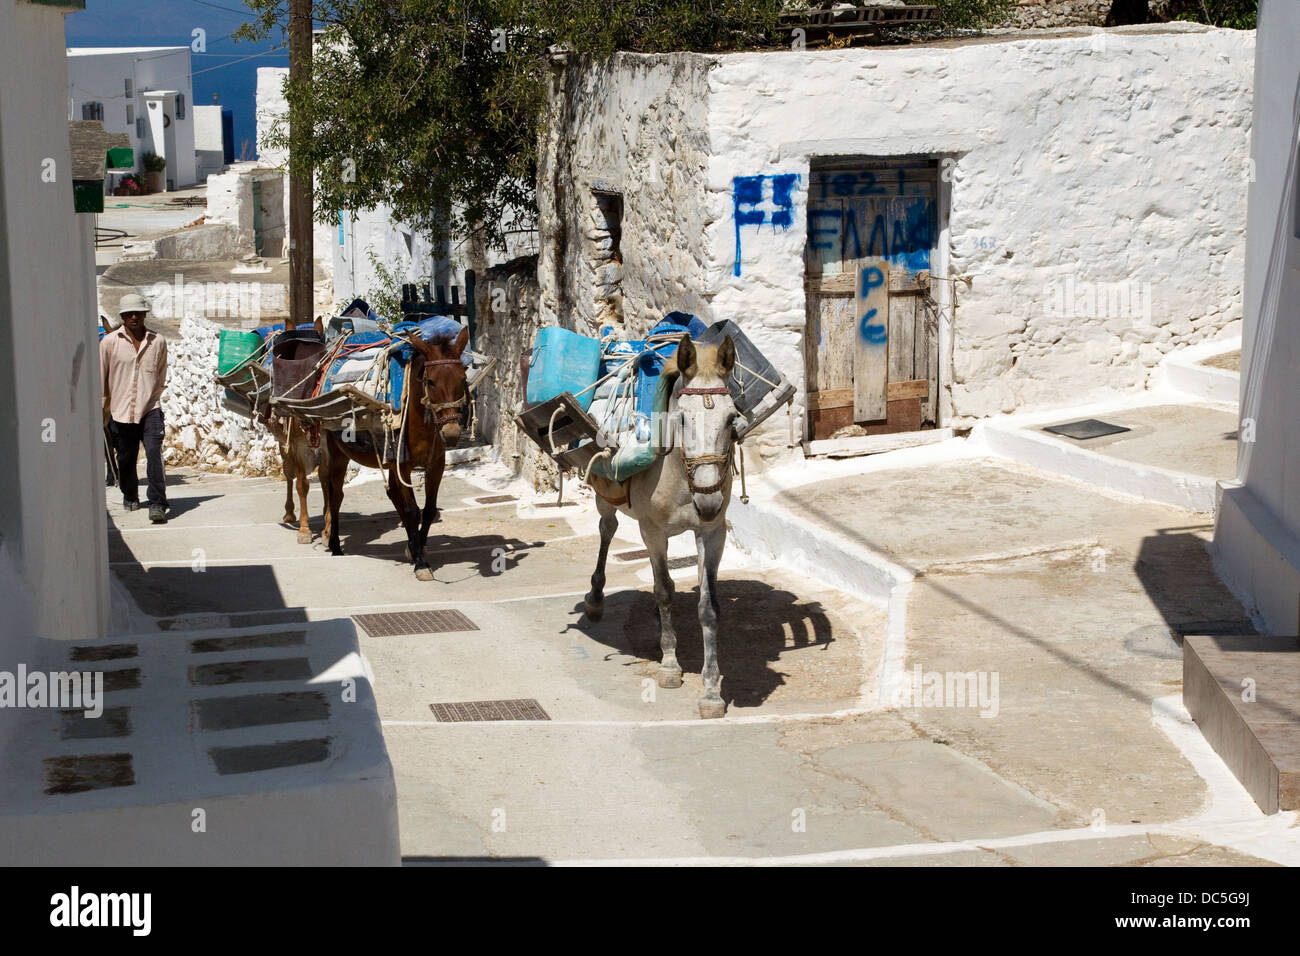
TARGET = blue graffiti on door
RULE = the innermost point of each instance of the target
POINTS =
(872, 332)
(761, 200)
(901, 229)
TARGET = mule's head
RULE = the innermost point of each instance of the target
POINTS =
(438, 379)
(706, 414)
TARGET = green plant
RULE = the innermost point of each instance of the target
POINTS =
(435, 108)
(1235, 14)
(153, 163)
(385, 296)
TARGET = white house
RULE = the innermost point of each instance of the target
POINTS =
(1257, 533)
(144, 92)
(1057, 211)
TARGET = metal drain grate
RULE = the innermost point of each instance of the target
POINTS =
(398, 623)
(687, 562)
(632, 555)
(472, 710)
(495, 499)
(1085, 429)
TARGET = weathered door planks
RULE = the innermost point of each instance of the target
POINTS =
(872, 341)
(862, 215)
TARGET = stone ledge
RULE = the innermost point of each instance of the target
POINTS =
(1258, 739)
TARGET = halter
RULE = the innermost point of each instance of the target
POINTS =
(723, 461)
(436, 408)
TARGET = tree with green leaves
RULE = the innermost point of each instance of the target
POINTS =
(433, 108)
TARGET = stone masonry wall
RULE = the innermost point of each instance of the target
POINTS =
(508, 319)
(1061, 13)
(199, 431)
(635, 126)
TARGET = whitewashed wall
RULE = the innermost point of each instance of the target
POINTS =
(1074, 162)
(1087, 159)
(1257, 534)
(53, 538)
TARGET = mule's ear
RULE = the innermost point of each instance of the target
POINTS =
(462, 340)
(418, 343)
(685, 355)
(726, 356)
(319, 325)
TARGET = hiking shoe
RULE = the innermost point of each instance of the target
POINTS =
(109, 482)
(131, 505)
(158, 514)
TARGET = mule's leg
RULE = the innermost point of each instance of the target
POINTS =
(302, 455)
(432, 479)
(656, 542)
(289, 466)
(403, 499)
(594, 603)
(709, 545)
(334, 467)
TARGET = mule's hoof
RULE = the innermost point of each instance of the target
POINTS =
(290, 518)
(709, 709)
(304, 537)
(594, 612)
(424, 574)
(336, 552)
(669, 678)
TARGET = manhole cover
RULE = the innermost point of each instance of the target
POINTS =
(1154, 640)
(397, 623)
(1085, 429)
(495, 499)
(488, 710)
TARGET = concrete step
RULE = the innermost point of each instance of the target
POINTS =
(215, 747)
(1244, 694)
(1173, 453)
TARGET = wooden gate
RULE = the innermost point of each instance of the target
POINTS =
(871, 346)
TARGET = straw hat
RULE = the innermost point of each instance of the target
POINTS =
(132, 303)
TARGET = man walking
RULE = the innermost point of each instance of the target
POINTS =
(133, 368)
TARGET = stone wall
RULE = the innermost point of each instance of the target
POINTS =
(199, 431)
(1061, 13)
(508, 319)
(1092, 196)
(634, 127)
(1074, 164)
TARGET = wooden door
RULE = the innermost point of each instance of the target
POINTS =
(871, 351)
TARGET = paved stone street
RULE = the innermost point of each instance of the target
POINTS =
(1064, 594)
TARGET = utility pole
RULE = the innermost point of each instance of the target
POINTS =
(301, 187)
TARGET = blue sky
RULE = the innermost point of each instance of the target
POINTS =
(222, 69)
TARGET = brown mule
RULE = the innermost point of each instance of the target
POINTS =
(435, 393)
(299, 457)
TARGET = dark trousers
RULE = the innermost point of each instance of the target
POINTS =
(127, 439)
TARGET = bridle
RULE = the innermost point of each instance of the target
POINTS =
(444, 412)
(723, 461)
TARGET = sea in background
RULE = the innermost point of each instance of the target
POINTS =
(226, 68)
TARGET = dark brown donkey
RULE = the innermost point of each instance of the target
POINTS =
(435, 392)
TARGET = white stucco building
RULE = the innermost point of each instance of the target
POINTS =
(1058, 211)
(1257, 533)
(144, 92)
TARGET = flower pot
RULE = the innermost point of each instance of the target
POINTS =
(157, 181)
